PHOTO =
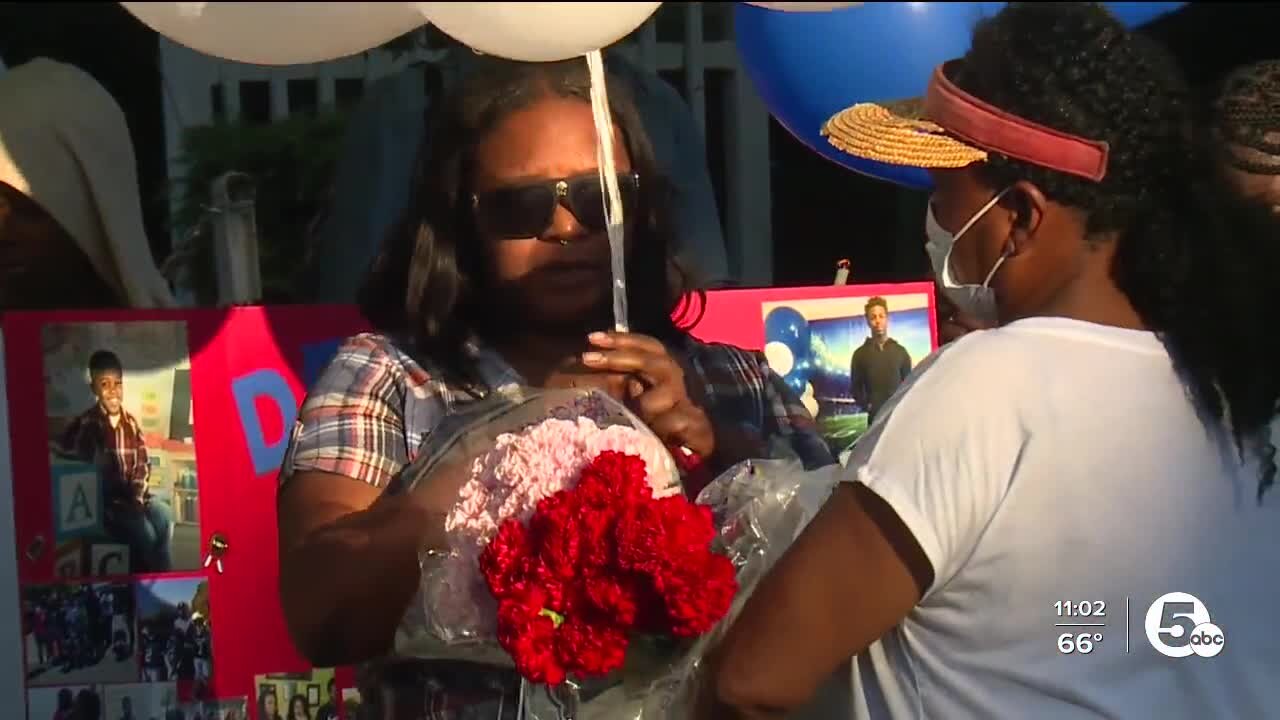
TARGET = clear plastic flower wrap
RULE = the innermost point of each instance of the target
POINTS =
(503, 457)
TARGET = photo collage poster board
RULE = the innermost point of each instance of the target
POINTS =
(199, 404)
(137, 438)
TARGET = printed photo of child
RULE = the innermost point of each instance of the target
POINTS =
(122, 453)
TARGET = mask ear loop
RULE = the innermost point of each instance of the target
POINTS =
(946, 262)
(996, 267)
(982, 211)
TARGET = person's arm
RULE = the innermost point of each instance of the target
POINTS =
(905, 370)
(349, 554)
(348, 564)
(816, 608)
(857, 384)
(927, 484)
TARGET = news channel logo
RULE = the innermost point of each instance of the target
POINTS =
(1178, 625)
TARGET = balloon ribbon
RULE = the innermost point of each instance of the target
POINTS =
(611, 195)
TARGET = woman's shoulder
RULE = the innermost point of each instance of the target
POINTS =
(372, 354)
(989, 369)
(379, 346)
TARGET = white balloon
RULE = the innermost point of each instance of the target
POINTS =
(538, 31)
(279, 33)
(805, 6)
(780, 358)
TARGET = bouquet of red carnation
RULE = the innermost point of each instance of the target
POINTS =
(574, 556)
(599, 564)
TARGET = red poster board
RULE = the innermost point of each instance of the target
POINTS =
(213, 394)
(243, 375)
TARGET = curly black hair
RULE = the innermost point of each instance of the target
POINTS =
(428, 282)
(1247, 113)
(1197, 261)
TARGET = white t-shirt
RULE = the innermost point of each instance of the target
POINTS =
(1055, 461)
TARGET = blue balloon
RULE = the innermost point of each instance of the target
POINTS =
(809, 66)
(787, 326)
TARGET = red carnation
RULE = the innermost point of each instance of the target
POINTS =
(503, 556)
(598, 550)
(655, 535)
(528, 634)
(556, 536)
(617, 476)
(591, 648)
(613, 597)
(598, 563)
(699, 595)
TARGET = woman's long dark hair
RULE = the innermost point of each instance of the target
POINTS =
(1197, 261)
(268, 690)
(425, 283)
(294, 703)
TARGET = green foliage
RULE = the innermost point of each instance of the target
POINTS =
(291, 163)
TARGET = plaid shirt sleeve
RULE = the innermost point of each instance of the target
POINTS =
(790, 419)
(742, 390)
(352, 422)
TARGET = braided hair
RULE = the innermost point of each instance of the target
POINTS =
(1196, 260)
(1247, 114)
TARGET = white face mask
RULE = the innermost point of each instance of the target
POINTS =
(976, 300)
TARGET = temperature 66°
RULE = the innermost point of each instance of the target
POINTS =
(1082, 643)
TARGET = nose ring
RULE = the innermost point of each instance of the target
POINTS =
(564, 242)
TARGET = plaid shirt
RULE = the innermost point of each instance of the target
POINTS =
(119, 452)
(370, 410)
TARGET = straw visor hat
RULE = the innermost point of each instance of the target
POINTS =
(949, 128)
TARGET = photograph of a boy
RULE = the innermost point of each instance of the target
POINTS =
(107, 436)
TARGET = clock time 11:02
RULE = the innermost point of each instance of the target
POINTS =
(1081, 609)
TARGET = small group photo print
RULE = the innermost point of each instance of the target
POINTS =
(846, 356)
(79, 634)
(141, 701)
(121, 448)
(285, 696)
(70, 702)
(221, 709)
(174, 633)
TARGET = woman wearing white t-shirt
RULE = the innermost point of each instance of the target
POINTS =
(1017, 514)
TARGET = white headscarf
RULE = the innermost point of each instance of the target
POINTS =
(65, 144)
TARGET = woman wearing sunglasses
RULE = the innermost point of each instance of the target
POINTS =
(1073, 514)
(498, 273)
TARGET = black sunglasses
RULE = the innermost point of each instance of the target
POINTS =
(525, 211)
